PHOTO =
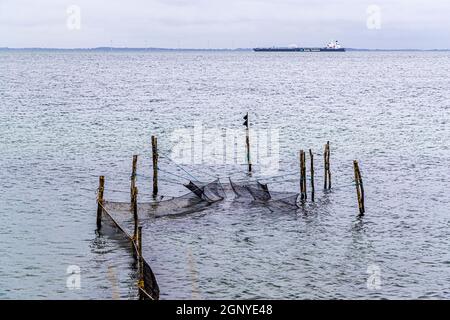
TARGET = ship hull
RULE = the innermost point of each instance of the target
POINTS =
(298, 50)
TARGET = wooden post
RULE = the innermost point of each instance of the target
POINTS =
(247, 139)
(301, 175)
(304, 175)
(135, 212)
(311, 157)
(328, 164)
(155, 164)
(358, 192)
(327, 172)
(303, 195)
(247, 142)
(133, 177)
(359, 188)
(101, 189)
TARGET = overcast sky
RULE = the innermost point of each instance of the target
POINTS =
(423, 24)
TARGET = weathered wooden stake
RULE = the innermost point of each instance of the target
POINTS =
(359, 188)
(301, 175)
(303, 194)
(358, 191)
(247, 143)
(133, 177)
(304, 175)
(328, 164)
(101, 189)
(155, 164)
(311, 157)
(135, 212)
(327, 172)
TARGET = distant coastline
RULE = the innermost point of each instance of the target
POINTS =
(119, 49)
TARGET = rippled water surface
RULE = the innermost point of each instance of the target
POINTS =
(67, 117)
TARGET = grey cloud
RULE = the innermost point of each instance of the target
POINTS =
(224, 23)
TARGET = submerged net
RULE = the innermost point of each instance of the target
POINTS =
(121, 221)
(210, 192)
(283, 200)
(186, 203)
(150, 289)
(259, 192)
(120, 215)
(201, 196)
(251, 190)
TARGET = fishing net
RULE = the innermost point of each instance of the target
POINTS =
(151, 287)
(259, 192)
(120, 220)
(120, 215)
(283, 200)
(210, 192)
(150, 290)
(114, 229)
(201, 196)
(186, 203)
(251, 190)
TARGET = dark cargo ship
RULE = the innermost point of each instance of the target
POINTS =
(331, 47)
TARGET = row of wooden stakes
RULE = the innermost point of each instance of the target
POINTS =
(155, 158)
(327, 172)
(303, 176)
(327, 177)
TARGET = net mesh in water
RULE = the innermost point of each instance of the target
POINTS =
(210, 192)
(200, 197)
(149, 289)
(120, 215)
(150, 285)
(284, 200)
(251, 190)
(259, 192)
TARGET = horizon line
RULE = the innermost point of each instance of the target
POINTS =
(103, 48)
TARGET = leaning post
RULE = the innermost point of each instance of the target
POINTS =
(359, 188)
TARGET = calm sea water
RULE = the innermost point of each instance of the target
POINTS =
(66, 118)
